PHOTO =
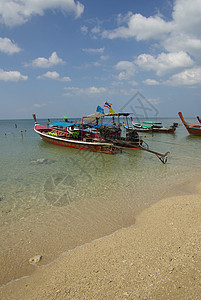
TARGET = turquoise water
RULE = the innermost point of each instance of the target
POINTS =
(86, 194)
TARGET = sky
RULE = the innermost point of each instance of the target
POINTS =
(66, 57)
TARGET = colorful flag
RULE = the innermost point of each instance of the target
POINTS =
(99, 109)
(111, 111)
(107, 104)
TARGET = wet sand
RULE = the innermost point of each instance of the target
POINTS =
(157, 258)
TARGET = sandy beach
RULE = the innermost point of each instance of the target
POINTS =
(157, 258)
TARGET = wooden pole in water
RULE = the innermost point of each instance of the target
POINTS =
(34, 117)
(82, 131)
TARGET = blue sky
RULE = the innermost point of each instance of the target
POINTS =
(64, 57)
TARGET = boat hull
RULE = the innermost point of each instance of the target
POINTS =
(158, 130)
(84, 145)
(193, 129)
(109, 145)
(164, 130)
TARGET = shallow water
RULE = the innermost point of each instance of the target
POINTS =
(53, 198)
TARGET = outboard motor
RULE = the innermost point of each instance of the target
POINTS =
(110, 132)
(132, 135)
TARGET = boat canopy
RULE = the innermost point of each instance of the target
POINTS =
(61, 124)
(122, 114)
(150, 122)
(93, 117)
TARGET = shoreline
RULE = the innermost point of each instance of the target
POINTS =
(32, 239)
(147, 259)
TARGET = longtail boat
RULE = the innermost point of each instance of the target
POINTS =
(132, 140)
(61, 138)
(194, 129)
(152, 127)
(128, 143)
(105, 139)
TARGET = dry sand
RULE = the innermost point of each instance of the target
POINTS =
(157, 258)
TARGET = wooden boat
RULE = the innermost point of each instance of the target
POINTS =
(152, 127)
(132, 141)
(163, 129)
(66, 139)
(194, 129)
(104, 141)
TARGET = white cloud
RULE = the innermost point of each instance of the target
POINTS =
(54, 76)
(96, 64)
(42, 62)
(50, 75)
(8, 47)
(180, 41)
(95, 90)
(93, 51)
(16, 12)
(84, 29)
(65, 78)
(190, 77)
(12, 76)
(134, 83)
(128, 69)
(91, 91)
(186, 16)
(126, 92)
(154, 101)
(39, 105)
(104, 57)
(187, 24)
(141, 28)
(164, 62)
(72, 91)
(182, 33)
(151, 82)
(95, 30)
(161, 64)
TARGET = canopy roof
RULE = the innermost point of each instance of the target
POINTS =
(97, 115)
(61, 124)
(118, 114)
(93, 117)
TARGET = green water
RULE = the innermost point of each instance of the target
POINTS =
(103, 192)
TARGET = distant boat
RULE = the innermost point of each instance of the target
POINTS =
(194, 129)
(152, 127)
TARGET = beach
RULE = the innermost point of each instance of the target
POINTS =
(159, 257)
(100, 138)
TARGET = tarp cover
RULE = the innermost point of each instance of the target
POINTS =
(61, 124)
(93, 117)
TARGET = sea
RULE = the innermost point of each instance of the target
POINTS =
(54, 199)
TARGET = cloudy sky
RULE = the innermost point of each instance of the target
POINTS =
(66, 57)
